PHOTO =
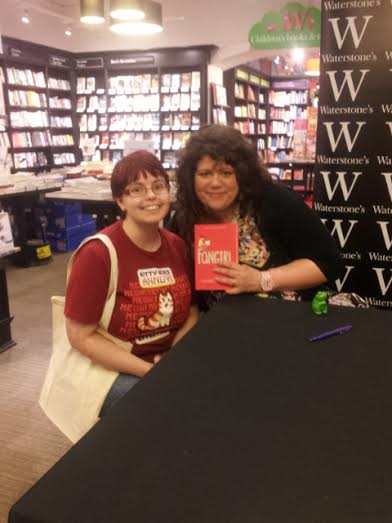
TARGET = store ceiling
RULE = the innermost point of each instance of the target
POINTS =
(221, 23)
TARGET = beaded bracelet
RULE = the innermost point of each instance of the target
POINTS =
(266, 281)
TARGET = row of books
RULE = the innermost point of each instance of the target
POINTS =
(25, 77)
(250, 127)
(181, 102)
(134, 103)
(291, 113)
(30, 159)
(180, 121)
(280, 127)
(59, 83)
(169, 159)
(85, 84)
(144, 83)
(4, 140)
(31, 139)
(219, 116)
(61, 121)
(136, 83)
(174, 140)
(283, 98)
(61, 140)
(219, 95)
(246, 92)
(56, 102)
(279, 156)
(280, 142)
(29, 119)
(27, 98)
(249, 111)
(95, 103)
(63, 158)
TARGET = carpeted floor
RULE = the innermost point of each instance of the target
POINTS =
(29, 443)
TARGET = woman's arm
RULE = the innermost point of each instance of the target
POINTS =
(296, 275)
(99, 349)
(191, 320)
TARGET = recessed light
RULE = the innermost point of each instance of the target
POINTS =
(68, 32)
(25, 18)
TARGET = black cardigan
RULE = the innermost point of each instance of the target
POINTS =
(291, 231)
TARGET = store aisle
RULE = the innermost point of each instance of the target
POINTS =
(29, 443)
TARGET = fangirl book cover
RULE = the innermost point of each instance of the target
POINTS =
(214, 243)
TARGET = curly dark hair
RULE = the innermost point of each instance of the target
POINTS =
(221, 143)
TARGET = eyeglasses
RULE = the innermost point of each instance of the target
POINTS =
(138, 190)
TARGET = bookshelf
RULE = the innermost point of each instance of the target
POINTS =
(248, 101)
(219, 105)
(64, 107)
(276, 114)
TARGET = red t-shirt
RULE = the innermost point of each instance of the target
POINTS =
(153, 292)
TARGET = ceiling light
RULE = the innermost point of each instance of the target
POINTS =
(298, 55)
(127, 9)
(151, 24)
(92, 11)
(68, 32)
(25, 18)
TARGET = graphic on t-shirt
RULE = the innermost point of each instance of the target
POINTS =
(155, 277)
(160, 318)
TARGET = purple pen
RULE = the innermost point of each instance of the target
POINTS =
(327, 334)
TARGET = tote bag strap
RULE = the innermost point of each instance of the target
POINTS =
(111, 294)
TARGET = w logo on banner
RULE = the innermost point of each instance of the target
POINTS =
(348, 79)
(388, 180)
(381, 281)
(338, 230)
(339, 283)
(340, 182)
(389, 124)
(344, 131)
(385, 234)
(351, 27)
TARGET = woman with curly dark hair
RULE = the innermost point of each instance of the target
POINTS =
(283, 246)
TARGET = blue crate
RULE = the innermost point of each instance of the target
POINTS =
(69, 239)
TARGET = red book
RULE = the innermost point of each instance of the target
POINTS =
(214, 244)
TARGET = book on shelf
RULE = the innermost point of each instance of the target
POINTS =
(175, 82)
(4, 140)
(81, 104)
(195, 80)
(239, 91)
(167, 140)
(186, 82)
(175, 102)
(250, 95)
(195, 101)
(165, 83)
(81, 85)
(92, 104)
(90, 84)
(61, 121)
(56, 102)
(83, 123)
(219, 95)
(154, 83)
(195, 122)
(63, 158)
(185, 102)
(166, 102)
(92, 122)
(214, 244)
(219, 116)
(41, 139)
(103, 122)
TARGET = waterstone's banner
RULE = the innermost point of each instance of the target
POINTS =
(353, 185)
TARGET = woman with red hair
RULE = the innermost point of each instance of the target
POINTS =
(152, 308)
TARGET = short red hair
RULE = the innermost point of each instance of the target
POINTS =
(131, 167)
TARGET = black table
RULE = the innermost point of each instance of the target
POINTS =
(245, 421)
(6, 341)
(18, 201)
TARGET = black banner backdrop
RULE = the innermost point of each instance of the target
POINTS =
(353, 184)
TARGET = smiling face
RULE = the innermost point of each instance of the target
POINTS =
(216, 187)
(145, 201)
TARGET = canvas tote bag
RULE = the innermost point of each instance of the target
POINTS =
(75, 388)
